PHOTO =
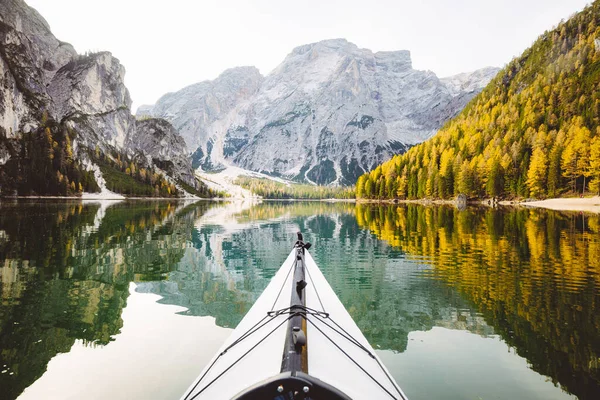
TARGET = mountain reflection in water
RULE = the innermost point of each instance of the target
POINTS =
(528, 277)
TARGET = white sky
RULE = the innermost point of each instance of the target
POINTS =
(168, 44)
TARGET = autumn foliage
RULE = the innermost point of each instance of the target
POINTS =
(532, 132)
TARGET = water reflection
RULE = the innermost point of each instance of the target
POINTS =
(534, 275)
(529, 278)
(65, 270)
(381, 288)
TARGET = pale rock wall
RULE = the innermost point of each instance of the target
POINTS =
(329, 112)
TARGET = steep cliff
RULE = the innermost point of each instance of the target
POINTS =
(63, 114)
(90, 93)
(164, 147)
(29, 58)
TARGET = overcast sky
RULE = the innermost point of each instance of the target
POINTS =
(168, 44)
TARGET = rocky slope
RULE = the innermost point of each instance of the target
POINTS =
(326, 114)
(158, 140)
(195, 109)
(44, 80)
(89, 93)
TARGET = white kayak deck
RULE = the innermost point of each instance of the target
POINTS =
(338, 352)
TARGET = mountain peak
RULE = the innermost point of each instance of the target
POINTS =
(328, 44)
(248, 70)
(397, 58)
(325, 55)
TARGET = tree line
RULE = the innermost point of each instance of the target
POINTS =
(532, 132)
(41, 163)
(270, 189)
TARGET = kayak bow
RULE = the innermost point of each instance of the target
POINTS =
(296, 342)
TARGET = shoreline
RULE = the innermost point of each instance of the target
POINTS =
(108, 198)
(577, 204)
(585, 204)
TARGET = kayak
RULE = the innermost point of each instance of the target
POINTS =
(296, 342)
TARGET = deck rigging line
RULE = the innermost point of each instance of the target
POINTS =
(304, 312)
(271, 315)
(283, 284)
(232, 364)
(359, 366)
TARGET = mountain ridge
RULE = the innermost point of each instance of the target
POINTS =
(327, 113)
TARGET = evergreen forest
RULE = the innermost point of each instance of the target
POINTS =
(41, 162)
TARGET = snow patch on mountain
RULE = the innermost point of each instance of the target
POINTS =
(224, 181)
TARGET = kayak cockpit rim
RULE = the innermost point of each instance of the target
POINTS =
(290, 385)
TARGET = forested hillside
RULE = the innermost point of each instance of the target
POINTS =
(532, 132)
(42, 162)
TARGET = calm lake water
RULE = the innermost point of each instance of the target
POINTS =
(131, 300)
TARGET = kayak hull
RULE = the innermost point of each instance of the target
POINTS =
(297, 339)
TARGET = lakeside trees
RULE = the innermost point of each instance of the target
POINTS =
(41, 162)
(271, 189)
(124, 176)
(533, 131)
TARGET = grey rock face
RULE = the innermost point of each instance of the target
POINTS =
(329, 112)
(41, 73)
(29, 57)
(158, 140)
(86, 92)
(89, 91)
(194, 109)
(145, 110)
(469, 82)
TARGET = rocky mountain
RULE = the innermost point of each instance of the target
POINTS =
(158, 140)
(49, 93)
(29, 58)
(43, 74)
(89, 93)
(326, 114)
(196, 109)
